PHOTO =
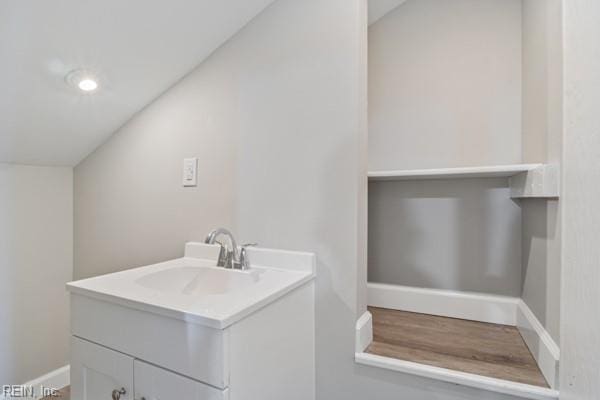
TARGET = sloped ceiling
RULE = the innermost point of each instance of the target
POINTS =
(379, 8)
(137, 48)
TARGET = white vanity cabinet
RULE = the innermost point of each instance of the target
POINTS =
(187, 330)
(153, 383)
(97, 371)
(103, 373)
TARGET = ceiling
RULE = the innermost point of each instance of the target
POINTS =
(379, 8)
(137, 48)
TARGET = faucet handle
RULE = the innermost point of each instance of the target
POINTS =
(223, 254)
(244, 262)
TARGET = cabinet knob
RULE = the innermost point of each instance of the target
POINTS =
(116, 394)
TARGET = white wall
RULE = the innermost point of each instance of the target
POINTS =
(36, 243)
(542, 142)
(130, 206)
(445, 84)
(535, 80)
(580, 333)
(378, 8)
(542, 81)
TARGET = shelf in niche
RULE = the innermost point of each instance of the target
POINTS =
(488, 171)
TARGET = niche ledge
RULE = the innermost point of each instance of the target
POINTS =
(525, 180)
(540, 182)
(459, 378)
(488, 171)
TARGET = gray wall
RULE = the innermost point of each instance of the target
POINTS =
(580, 333)
(36, 242)
(542, 142)
(281, 109)
(445, 85)
(448, 234)
(541, 261)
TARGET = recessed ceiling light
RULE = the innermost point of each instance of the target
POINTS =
(83, 80)
(87, 85)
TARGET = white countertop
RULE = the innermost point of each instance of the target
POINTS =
(158, 288)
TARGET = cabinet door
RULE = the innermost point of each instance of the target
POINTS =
(97, 371)
(153, 383)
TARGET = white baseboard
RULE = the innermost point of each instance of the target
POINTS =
(545, 351)
(364, 332)
(476, 307)
(519, 390)
(56, 379)
(446, 303)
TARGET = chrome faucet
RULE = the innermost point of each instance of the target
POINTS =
(233, 258)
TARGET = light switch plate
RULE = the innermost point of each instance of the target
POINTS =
(190, 172)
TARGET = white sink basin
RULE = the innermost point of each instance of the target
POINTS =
(192, 281)
(192, 288)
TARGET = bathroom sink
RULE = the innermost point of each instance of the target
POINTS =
(189, 329)
(195, 281)
(194, 289)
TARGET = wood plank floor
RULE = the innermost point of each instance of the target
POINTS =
(64, 394)
(496, 351)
